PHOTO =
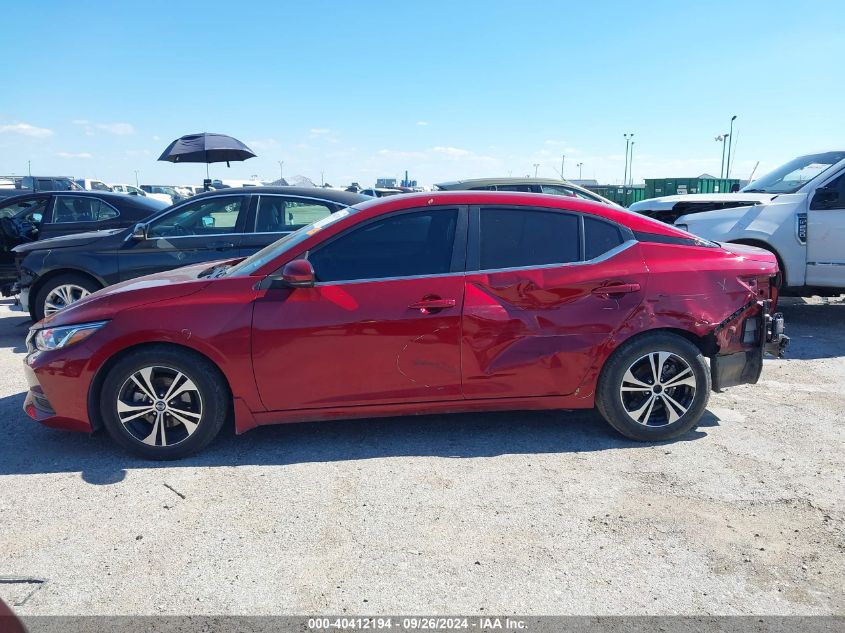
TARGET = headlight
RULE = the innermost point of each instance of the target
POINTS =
(683, 227)
(57, 337)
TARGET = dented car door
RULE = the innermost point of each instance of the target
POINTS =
(548, 290)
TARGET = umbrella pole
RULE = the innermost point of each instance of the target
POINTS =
(207, 178)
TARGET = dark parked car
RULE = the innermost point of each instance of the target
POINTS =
(526, 185)
(214, 225)
(38, 216)
(19, 185)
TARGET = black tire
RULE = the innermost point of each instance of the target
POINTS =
(37, 307)
(208, 388)
(675, 410)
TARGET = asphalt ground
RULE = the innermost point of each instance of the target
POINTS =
(523, 513)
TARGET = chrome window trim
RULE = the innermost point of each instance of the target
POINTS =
(364, 281)
(100, 200)
(596, 260)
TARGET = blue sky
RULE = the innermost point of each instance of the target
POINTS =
(360, 90)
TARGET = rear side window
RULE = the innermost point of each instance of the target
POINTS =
(76, 209)
(512, 238)
(599, 237)
(404, 245)
(277, 214)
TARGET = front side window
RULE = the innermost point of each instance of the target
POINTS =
(795, 174)
(204, 217)
(96, 185)
(277, 214)
(512, 238)
(403, 245)
(76, 209)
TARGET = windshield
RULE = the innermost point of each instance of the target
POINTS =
(271, 252)
(795, 174)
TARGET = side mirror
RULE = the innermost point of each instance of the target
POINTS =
(297, 274)
(825, 198)
(139, 232)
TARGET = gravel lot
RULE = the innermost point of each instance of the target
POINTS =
(528, 513)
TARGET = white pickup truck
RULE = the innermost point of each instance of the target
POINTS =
(797, 212)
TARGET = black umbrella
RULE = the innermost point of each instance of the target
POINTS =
(206, 148)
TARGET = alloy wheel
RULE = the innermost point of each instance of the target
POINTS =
(62, 296)
(159, 406)
(658, 389)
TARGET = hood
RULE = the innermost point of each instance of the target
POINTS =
(751, 253)
(670, 208)
(64, 241)
(734, 199)
(105, 303)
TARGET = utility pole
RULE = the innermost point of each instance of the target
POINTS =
(722, 138)
(562, 161)
(136, 179)
(281, 169)
(536, 167)
(29, 168)
(579, 165)
(730, 140)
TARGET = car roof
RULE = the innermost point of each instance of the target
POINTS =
(332, 195)
(504, 181)
(634, 221)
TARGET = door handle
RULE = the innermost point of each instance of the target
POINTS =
(221, 246)
(617, 289)
(431, 305)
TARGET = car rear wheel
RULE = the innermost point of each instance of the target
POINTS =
(655, 387)
(164, 403)
(61, 291)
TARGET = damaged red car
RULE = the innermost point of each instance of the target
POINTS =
(430, 303)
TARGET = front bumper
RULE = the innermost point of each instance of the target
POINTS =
(58, 389)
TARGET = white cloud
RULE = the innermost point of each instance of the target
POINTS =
(80, 121)
(120, 129)
(26, 130)
(320, 130)
(156, 137)
(451, 151)
(73, 155)
(422, 123)
(262, 144)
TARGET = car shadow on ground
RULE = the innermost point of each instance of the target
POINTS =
(14, 329)
(815, 329)
(31, 448)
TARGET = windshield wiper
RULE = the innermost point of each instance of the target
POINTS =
(753, 191)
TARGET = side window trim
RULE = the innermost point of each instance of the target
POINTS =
(240, 225)
(459, 246)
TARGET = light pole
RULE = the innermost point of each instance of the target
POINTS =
(629, 138)
(536, 167)
(579, 165)
(281, 169)
(631, 166)
(562, 161)
(730, 140)
(136, 179)
(721, 139)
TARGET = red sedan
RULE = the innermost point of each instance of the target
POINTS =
(446, 302)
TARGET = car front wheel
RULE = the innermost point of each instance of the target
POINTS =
(655, 387)
(164, 403)
(61, 291)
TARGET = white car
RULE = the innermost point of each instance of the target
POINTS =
(797, 212)
(135, 191)
(92, 185)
